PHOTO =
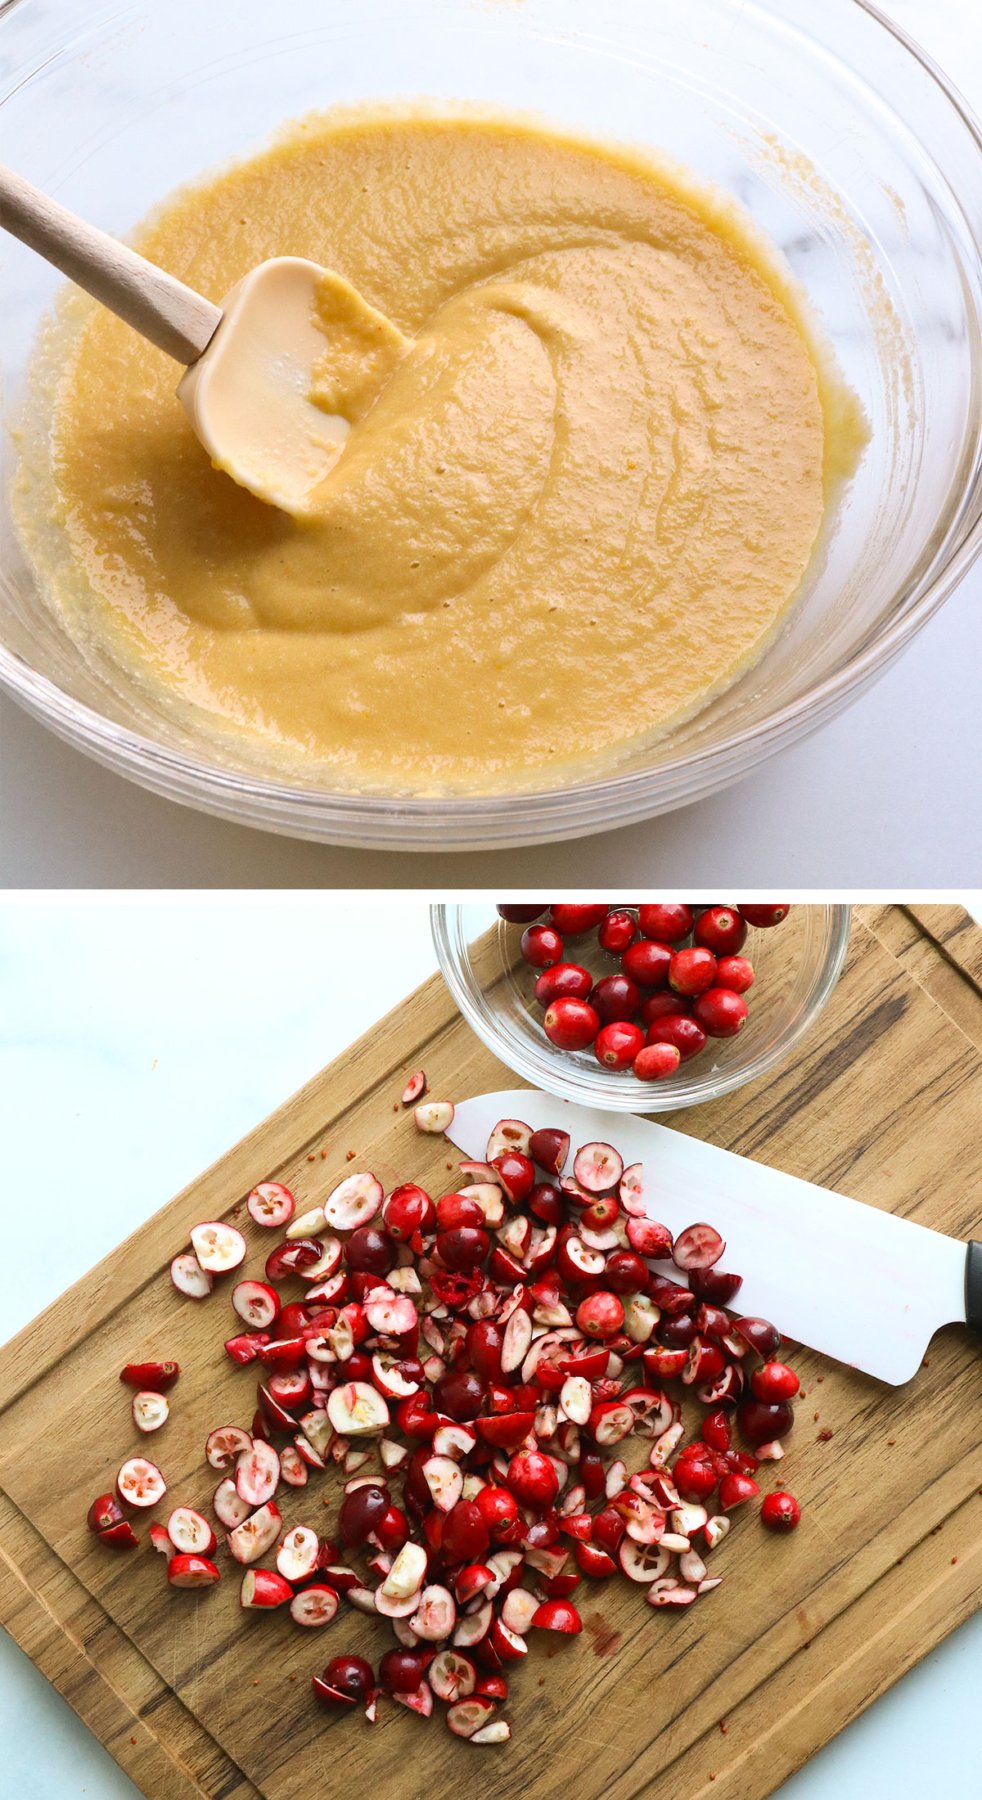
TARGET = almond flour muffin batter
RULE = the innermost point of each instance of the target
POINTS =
(584, 478)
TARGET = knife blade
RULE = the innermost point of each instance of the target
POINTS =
(858, 1284)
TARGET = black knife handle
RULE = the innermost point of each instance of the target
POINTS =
(973, 1286)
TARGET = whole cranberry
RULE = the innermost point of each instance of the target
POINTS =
(736, 973)
(617, 931)
(465, 1533)
(401, 1671)
(533, 1480)
(761, 1423)
(720, 1012)
(600, 1315)
(460, 1394)
(360, 1512)
(775, 1381)
(764, 916)
(521, 915)
(683, 1033)
(656, 1061)
(668, 923)
(349, 1675)
(664, 1005)
(615, 997)
(694, 1477)
(484, 1341)
(498, 1508)
(565, 980)
(571, 1024)
(542, 946)
(463, 1249)
(617, 1045)
(601, 1212)
(780, 1512)
(546, 1204)
(692, 971)
(407, 1210)
(625, 1273)
(453, 1210)
(370, 1250)
(647, 963)
(721, 929)
(575, 920)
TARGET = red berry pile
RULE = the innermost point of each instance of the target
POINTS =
(680, 979)
(500, 1375)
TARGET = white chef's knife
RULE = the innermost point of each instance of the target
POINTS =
(858, 1284)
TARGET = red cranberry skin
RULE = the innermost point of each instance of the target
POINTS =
(542, 946)
(521, 915)
(576, 920)
(722, 930)
(498, 1508)
(764, 917)
(677, 1333)
(549, 1148)
(516, 1172)
(656, 1061)
(617, 1045)
(681, 1032)
(484, 1341)
(453, 1210)
(775, 1381)
(692, 971)
(720, 1012)
(564, 981)
(460, 1393)
(669, 924)
(716, 1284)
(350, 1675)
(533, 1480)
(625, 1273)
(392, 1530)
(408, 1209)
(463, 1249)
(761, 1423)
(665, 1005)
(401, 1671)
(600, 1315)
(735, 973)
(780, 1512)
(571, 1024)
(618, 930)
(370, 1250)
(546, 1204)
(360, 1512)
(465, 1534)
(694, 1478)
(647, 963)
(615, 998)
(760, 1334)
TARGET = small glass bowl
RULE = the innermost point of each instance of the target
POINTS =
(797, 966)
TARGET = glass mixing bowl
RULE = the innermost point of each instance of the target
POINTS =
(850, 149)
(797, 965)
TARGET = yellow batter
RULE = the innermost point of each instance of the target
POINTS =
(585, 475)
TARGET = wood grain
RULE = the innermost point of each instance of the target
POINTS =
(883, 1099)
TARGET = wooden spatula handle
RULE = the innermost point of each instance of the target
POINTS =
(172, 316)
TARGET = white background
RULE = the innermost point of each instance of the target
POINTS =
(887, 795)
(143, 1038)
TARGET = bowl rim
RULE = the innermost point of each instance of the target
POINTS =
(628, 1095)
(532, 814)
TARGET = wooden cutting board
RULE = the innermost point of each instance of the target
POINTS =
(884, 1100)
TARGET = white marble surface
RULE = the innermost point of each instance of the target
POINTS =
(872, 777)
(145, 1037)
